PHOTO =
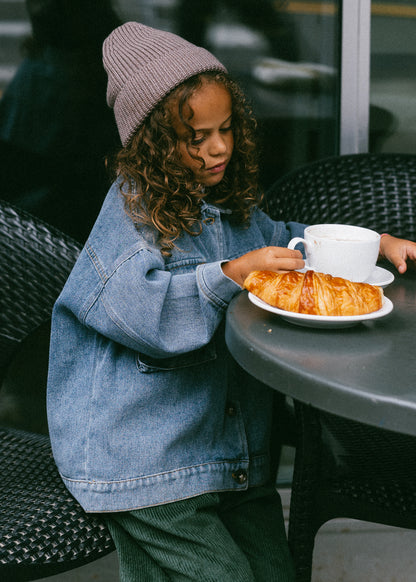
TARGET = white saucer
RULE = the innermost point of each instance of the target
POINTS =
(326, 321)
(380, 277)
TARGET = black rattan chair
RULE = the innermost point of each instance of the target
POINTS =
(373, 190)
(43, 530)
(344, 468)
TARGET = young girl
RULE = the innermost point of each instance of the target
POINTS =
(152, 422)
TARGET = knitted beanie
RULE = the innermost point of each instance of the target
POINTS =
(143, 65)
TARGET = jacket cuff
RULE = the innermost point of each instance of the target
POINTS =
(215, 284)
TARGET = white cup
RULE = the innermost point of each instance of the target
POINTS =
(340, 250)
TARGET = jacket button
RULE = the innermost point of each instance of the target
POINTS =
(240, 476)
(230, 409)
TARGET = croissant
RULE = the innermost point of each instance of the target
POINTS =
(314, 293)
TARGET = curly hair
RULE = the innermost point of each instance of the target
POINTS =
(159, 191)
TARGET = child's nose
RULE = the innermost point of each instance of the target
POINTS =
(217, 145)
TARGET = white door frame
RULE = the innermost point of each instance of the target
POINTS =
(355, 76)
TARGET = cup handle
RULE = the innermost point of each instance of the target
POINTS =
(295, 241)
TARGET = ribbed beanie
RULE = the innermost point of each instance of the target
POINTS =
(143, 65)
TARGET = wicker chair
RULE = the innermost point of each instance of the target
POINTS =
(43, 530)
(372, 190)
(344, 468)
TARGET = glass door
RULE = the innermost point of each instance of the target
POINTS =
(286, 56)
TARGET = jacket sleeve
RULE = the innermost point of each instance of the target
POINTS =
(143, 306)
(277, 233)
(151, 309)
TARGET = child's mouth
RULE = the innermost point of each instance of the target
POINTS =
(218, 168)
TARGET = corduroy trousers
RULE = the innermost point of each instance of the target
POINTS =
(215, 537)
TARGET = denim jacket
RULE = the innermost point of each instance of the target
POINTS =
(145, 404)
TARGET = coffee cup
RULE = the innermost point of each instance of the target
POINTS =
(340, 250)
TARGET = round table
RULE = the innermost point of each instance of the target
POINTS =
(365, 373)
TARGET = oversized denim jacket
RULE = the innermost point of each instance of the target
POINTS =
(145, 403)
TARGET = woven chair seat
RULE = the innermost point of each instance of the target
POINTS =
(43, 529)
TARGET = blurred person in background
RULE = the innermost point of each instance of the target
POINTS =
(264, 16)
(55, 126)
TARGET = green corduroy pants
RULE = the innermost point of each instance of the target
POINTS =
(215, 537)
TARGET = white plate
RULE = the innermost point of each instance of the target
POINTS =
(380, 277)
(327, 321)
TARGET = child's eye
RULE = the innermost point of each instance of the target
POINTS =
(226, 129)
(197, 141)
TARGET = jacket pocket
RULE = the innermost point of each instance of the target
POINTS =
(147, 364)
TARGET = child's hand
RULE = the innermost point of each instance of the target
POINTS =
(397, 251)
(277, 259)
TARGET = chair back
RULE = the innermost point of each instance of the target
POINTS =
(35, 260)
(43, 529)
(377, 191)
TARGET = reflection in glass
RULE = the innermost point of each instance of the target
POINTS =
(285, 55)
(393, 77)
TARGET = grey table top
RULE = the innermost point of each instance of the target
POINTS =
(366, 372)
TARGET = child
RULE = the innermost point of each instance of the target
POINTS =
(152, 422)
